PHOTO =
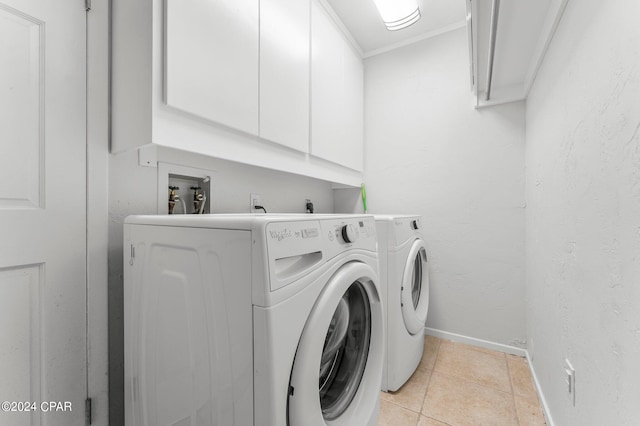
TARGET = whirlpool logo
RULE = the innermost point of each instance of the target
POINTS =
(280, 235)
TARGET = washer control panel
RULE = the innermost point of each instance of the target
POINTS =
(349, 234)
(358, 232)
(296, 246)
(292, 238)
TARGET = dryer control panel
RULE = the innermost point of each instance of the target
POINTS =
(406, 228)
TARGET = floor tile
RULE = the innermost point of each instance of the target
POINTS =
(461, 385)
(411, 394)
(529, 412)
(465, 362)
(459, 402)
(394, 415)
(431, 345)
(521, 379)
(428, 421)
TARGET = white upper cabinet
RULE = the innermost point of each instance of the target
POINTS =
(336, 94)
(284, 72)
(235, 79)
(212, 60)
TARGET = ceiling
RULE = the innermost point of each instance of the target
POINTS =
(365, 25)
(523, 32)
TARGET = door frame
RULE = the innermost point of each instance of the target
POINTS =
(97, 140)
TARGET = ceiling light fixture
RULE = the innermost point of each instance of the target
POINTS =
(398, 14)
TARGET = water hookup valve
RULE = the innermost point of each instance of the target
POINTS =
(173, 197)
(199, 200)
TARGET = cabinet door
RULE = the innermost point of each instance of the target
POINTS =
(284, 72)
(211, 64)
(336, 94)
(353, 108)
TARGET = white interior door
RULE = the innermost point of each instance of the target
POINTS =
(43, 211)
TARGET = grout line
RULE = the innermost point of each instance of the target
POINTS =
(433, 370)
(513, 393)
(426, 389)
(423, 397)
(510, 378)
(406, 409)
(433, 418)
(417, 420)
(435, 362)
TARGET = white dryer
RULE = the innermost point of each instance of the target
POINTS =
(404, 280)
(242, 320)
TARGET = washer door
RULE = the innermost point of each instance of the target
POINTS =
(415, 289)
(338, 364)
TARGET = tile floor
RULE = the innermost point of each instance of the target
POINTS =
(458, 385)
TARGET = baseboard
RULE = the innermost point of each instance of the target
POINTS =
(543, 401)
(513, 350)
(475, 342)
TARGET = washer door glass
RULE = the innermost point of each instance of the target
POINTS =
(416, 278)
(345, 352)
(415, 289)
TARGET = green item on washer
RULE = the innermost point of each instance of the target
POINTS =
(364, 197)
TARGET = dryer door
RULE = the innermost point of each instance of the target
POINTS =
(338, 364)
(415, 289)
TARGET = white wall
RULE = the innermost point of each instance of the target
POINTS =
(133, 190)
(583, 214)
(428, 151)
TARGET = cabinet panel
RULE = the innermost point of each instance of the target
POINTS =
(284, 72)
(353, 104)
(211, 66)
(336, 94)
(326, 85)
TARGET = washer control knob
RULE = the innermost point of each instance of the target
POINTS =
(349, 234)
(414, 224)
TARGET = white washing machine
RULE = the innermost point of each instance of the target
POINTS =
(404, 280)
(270, 320)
